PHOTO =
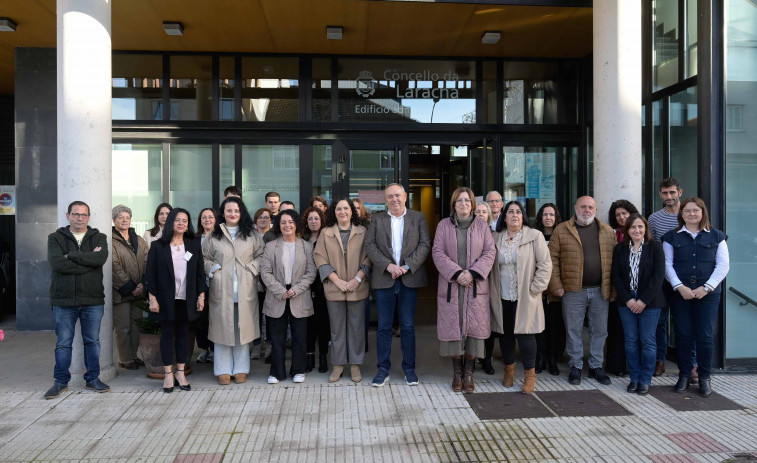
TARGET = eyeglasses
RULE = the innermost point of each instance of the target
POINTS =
(495, 201)
(463, 200)
(79, 216)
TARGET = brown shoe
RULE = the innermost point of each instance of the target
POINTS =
(659, 368)
(240, 378)
(468, 366)
(694, 376)
(224, 380)
(507, 381)
(128, 366)
(529, 380)
(457, 379)
(336, 373)
(355, 373)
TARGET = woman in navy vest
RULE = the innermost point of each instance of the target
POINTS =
(696, 262)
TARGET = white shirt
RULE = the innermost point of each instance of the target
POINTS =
(398, 231)
(722, 263)
(494, 222)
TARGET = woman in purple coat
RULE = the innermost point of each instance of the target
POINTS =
(463, 253)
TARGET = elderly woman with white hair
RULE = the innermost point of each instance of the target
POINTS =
(129, 260)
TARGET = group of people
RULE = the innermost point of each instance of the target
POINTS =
(306, 280)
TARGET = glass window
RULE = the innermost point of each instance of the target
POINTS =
(226, 88)
(540, 93)
(139, 183)
(380, 90)
(489, 84)
(270, 168)
(691, 38)
(191, 88)
(227, 168)
(322, 173)
(137, 87)
(190, 185)
(270, 89)
(665, 43)
(741, 172)
(658, 155)
(371, 170)
(530, 176)
(322, 89)
(683, 140)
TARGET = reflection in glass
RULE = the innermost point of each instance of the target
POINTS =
(137, 87)
(380, 90)
(191, 88)
(270, 89)
(226, 88)
(665, 42)
(683, 140)
(540, 93)
(270, 168)
(741, 172)
(658, 154)
(191, 186)
(371, 170)
(489, 84)
(139, 183)
(321, 89)
(322, 173)
(227, 168)
(691, 38)
(531, 176)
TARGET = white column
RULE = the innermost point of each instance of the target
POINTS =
(84, 139)
(617, 103)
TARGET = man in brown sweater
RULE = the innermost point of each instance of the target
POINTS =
(582, 250)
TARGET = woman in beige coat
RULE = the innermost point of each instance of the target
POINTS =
(519, 276)
(343, 266)
(287, 270)
(129, 260)
(232, 257)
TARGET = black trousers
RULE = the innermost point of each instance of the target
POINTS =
(319, 325)
(615, 359)
(551, 342)
(174, 334)
(201, 326)
(278, 329)
(526, 342)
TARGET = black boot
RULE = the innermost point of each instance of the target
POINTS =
(540, 365)
(486, 362)
(487, 366)
(704, 387)
(552, 366)
(323, 364)
(309, 362)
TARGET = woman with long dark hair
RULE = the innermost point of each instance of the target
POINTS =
(175, 283)
(287, 270)
(319, 328)
(159, 221)
(232, 261)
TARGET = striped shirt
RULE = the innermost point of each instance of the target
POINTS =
(661, 222)
(634, 260)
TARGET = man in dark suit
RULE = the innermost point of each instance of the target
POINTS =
(397, 243)
(494, 200)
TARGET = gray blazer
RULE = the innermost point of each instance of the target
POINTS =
(303, 275)
(416, 243)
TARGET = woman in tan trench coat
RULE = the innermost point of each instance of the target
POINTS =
(232, 257)
(520, 274)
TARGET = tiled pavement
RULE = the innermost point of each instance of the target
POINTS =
(320, 422)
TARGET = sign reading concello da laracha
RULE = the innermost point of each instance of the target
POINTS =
(366, 85)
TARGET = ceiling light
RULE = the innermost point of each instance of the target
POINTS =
(173, 28)
(7, 25)
(334, 32)
(491, 37)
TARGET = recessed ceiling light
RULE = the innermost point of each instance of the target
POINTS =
(491, 37)
(7, 25)
(334, 32)
(173, 28)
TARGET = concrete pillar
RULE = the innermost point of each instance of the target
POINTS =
(617, 103)
(84, 138)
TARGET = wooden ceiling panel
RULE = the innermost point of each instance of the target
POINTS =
(299, 26)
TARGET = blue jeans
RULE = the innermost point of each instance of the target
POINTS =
(405, 299)
(694, 322)
(65, 325)
(575, 306)
(641, 344)
(662, 334)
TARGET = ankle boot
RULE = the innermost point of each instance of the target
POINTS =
(468, 366)
(529, 380)
(323, 364)
(507, 380)
(486, 362)
(541, 364)
(457, 378)
(309, 362)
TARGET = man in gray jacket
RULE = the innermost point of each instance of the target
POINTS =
(397, 243)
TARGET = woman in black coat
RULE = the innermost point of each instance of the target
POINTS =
(638, 271)
(175, 282)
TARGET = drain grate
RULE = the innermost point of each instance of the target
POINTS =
(691, 401)
(506, 406)
(582, 403)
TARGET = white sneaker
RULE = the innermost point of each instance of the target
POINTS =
(300, 378)
(273, 380)
(255, 352)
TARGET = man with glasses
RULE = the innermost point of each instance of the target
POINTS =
(77, 254)
(494, 200)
